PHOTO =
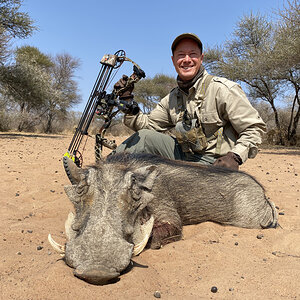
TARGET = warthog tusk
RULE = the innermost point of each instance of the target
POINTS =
(70, 233)
(57, 247)
(141, 236)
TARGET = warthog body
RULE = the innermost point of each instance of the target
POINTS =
(115, 198)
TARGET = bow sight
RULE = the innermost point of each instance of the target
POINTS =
(104, 105)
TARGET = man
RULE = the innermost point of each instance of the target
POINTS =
(211, 118)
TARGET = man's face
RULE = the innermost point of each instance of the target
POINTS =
(187, 59)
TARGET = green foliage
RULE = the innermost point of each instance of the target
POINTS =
(25, 84)
(288, 37)
(15, 23)
(64, 88)
(5, 51)
(32, 55)
(42, 86)
(150, 91)
(255, 55)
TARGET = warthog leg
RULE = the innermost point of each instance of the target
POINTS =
(164, 233)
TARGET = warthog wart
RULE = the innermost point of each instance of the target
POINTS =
(130, 200)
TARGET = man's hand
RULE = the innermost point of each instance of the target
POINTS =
(126, 92)
(229, 161)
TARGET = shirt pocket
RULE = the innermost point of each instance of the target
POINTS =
(175, 115)
(211, 122)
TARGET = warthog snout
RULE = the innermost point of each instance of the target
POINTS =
(100, 276)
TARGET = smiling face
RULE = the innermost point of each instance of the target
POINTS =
(187, 59)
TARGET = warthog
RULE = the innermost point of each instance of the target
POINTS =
(128, 198)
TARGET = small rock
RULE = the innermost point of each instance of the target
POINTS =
(39, 248)
(260, 236)
(17, 194)
(52, 191)
(214, 289)
(231, 289)
(19, 253)
(157, 294)
(236, 243)
(281, 213)
(30, 231)
(213, 241)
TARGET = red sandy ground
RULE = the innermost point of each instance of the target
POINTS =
(235, 260)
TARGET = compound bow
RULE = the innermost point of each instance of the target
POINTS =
(104, 105)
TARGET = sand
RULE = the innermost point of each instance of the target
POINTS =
(240, 263)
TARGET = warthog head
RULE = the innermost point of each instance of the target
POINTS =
(111, 221)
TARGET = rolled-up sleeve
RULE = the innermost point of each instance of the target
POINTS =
(158, 119)
(245, 120)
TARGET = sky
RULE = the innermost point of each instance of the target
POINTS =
(143, 29)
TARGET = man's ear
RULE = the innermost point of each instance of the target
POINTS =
(172, 57)
(202, 56)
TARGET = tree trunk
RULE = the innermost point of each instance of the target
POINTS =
(49, 124)
(293, 134)
(292, 129)
(280, 138)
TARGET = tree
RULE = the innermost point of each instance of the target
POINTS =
(150, 91)
(13, 24)
(286, 59)
(41, 85)
(64, 88)
(247, 58)
(27, 83)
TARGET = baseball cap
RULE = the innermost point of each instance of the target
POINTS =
(186, 36)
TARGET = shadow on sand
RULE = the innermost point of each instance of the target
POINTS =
(8, 135)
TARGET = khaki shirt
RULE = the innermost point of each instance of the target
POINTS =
(223, 105)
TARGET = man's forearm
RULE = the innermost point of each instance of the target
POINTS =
(249, 139)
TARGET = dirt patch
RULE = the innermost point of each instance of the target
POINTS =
(241, 263)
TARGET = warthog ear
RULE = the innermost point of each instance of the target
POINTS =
(71, 193)
(144, 177)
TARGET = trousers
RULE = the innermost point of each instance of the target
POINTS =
(153, 142)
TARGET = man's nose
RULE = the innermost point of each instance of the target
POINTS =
(187, 58)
